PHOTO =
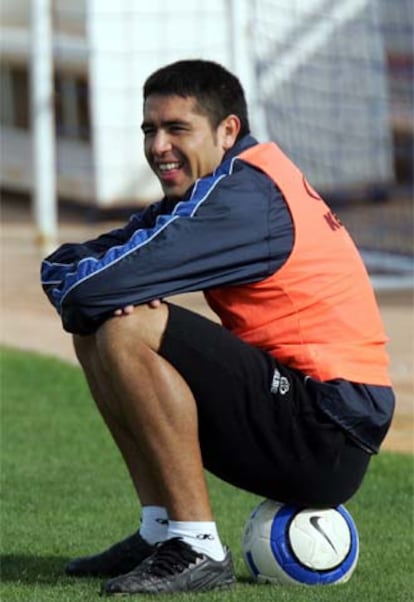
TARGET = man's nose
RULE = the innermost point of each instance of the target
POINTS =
(161, 142)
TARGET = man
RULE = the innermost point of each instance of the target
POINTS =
(288, 398)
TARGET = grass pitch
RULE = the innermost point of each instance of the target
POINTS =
(66, 492)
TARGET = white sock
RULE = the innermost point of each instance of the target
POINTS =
(154, 524)
(201, 536)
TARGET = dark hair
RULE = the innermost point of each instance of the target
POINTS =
(217, 91)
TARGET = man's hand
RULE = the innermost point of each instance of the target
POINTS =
(124, 311)
(155, 303)
(129, 309)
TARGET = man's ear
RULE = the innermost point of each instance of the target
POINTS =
(230, 128)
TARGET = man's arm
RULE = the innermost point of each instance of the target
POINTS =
(224, 234)
(64, 260)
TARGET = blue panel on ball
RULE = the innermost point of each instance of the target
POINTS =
(353, 552)
(287, 560)
(251, 564)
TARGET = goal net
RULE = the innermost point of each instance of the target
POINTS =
(333, 87)
(322, 88)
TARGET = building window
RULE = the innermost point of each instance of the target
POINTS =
(71, 102)
(72, 106)
(14, 105)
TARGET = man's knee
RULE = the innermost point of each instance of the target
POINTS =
(143, 328)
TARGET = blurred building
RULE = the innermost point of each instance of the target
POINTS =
(329, 81)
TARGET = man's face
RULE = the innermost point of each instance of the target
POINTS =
(180, 144)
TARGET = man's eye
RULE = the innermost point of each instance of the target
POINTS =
(148, 131)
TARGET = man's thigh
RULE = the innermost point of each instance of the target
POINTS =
(259, 429)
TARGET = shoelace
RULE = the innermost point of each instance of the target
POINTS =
(171, 556)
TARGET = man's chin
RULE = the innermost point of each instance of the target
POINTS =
(175, 193)
(172, 197)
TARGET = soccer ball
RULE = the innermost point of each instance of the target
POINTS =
(286, 544)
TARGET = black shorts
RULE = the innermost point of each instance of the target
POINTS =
(259, 428)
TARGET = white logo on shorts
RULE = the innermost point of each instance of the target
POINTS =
(280, 384)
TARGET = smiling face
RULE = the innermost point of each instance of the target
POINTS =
(179, 142)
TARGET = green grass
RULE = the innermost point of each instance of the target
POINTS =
(65, 492)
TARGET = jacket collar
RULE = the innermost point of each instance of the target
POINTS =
(240, 146)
